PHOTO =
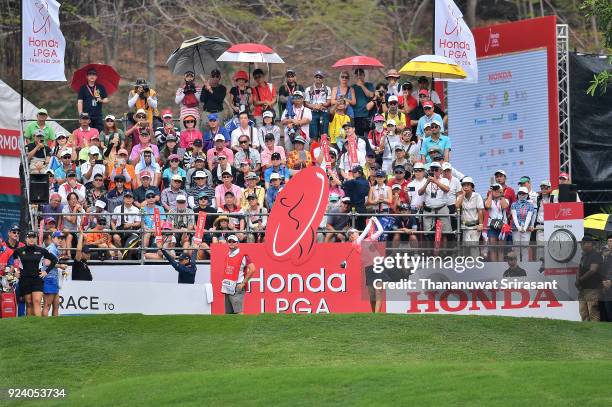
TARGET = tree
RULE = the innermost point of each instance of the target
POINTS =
(601, 10)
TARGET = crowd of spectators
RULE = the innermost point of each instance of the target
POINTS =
(229, 153)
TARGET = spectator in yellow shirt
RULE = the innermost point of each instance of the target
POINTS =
(335, 132)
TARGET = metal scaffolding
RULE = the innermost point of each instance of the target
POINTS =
(565, 154)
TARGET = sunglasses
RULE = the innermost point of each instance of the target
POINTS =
(422, 96)
(419, 170)
(393, 103)
(544, 187)
(97, 179)
(427, 108)
(244, 142)
(436, 169)
(344, 77)
(119, 181)
(66, 157)
(150, 196)
(174, 160)
(212, 120)
(109, 120)
(139, 116)
(434, 126)
(318, 77)
(398, 172)
(61, 237)
(14, 231)
(176, 180)
(189, 121)
(221, 158)
(290, 75)
(227, 176)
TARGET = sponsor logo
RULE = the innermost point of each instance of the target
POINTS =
(41, 21)
(521, 134)
(491, 100)
(492, 41)
(512, 117)
(480, 122)
(507, 135)
(478, 102)
(500, 76)
(506, 101)
(497, 119)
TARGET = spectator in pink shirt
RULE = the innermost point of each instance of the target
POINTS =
(268, 149)
(190, 133)
(145, 143)
(226, 186)
(82, 136)
(213, 153)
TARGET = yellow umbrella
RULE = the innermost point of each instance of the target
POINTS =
(434, 66)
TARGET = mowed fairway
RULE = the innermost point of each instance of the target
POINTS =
(296, 360)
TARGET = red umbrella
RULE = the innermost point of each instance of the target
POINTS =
(251, 53)
(358, 61)
(107, 77)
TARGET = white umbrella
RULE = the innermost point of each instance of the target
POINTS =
(251, 53)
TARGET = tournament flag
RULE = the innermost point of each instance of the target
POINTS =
(199, 228)
(325, 148)
(157, 226)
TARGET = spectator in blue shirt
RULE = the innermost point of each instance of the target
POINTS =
(214, 129)
(436, 142)
(429, 117)
(276, 167)
(273, 190)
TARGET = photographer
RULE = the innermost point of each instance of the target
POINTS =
(143, 97)
(126, 217)
(39, 154)
(435, 190)
(188, 97)
(92, 167)
(378, 104)
(496, 205)
(318, 100)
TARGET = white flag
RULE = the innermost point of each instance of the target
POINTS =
(454, 40)
(43, 42)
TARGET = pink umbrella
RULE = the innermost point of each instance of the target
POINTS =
(251, 53)
(358, 61)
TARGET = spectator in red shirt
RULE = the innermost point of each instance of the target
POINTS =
(263, 96)
(407, 102)
(509, 194)
(81, 137)
(399, 178)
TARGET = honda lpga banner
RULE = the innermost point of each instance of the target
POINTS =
(294, 273)
(454, 40)
(43, 43)
(520, 290)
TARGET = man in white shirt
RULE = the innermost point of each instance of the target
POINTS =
(302, 116)
(318, 98)
(454, 191)
(435, 189)
(129, 221)
(472, 212)
(89, 169)
(416, 200)
(244, 130)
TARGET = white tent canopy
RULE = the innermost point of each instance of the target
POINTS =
(9, 110)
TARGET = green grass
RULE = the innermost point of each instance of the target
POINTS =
(309, 360)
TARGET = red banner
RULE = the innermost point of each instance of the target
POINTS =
(199, 232)
(157, 225)
(352, 150)
(314, 287)
(325, 149)
(9, 142)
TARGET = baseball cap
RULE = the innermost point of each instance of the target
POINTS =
(145, 174)
(199, 157)
(418, 166)
(564, 175)
(93, 150)
(84, 115)
(334, 197)
(215, 72)
(128, 192)
(200, 174)
(435, 164)
(523, 190)
(177, 177)
(391, 122)
(173, 157)
(379, 118)
(434, 121)
(141, 111)
(60, 134)
(298, 94)
(348, 124)
(31, 233)
(245, 162)
(426, 125)
(170, 137)
(424, 92)
(523, 180)
(381, 173)
(219, 137)
(222, 155)
(50, 219)
(269, 136)
(72, 174)
(275, 156)
(545, 183)
(290, 70)
(319, 73)
(396, 186)
(203, 195)
(357, 168)
(428, 103)
(39, 132)
(109, 116)
(100, 204)
(66, 152)
(268, 113)
(57, 233)
(275, 175)
(392, 98)
(227, 173)
(299, 139)
(43, 111)
(398, 148)
(467, 180)
(197, 142)
(183, 256)
(251, 175)
(232, 238)
(50, 172)
(502, 172)
(447, 166)
(167, 114)
(346, 199)
(181, 198)
(399, 168)
(251, 196)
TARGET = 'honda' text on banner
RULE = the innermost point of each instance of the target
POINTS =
(454, 40)
(43, 43)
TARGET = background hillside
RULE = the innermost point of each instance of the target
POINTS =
(136, 36)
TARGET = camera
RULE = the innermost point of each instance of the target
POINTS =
(189, 88)
(380, 93)
(291, 133)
